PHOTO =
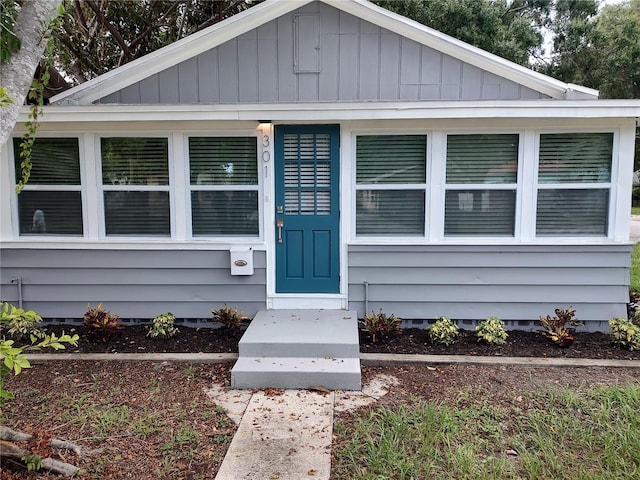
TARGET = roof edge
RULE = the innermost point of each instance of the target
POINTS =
(211, 37)
(177, 52)
(462, 50)
(336, 111)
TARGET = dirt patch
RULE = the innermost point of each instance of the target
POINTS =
(132, 420)
(152, 420)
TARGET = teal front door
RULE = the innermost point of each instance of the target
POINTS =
(307, 236)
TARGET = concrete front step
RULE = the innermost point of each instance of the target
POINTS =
(296, 372)
(301, 333)
(299, 349)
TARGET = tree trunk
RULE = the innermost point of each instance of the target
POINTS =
(16, 73)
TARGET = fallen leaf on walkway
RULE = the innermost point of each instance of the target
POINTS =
(319, 388)
(273, 392)
(311, 472)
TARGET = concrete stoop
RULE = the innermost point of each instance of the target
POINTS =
(298, 349)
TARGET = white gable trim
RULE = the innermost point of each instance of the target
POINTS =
(460, 50)
(254, 17)
(177, 52)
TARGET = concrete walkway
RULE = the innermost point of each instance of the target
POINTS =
(286, 434)
(634, 234)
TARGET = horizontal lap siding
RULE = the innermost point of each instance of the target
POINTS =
(133, 284)
(517, 284)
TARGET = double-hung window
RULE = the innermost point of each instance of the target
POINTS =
(481, 184)
(51, 202)
(574, 181)
(223, 175)
(135, 184)
(391, 185)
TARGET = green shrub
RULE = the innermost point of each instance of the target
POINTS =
(492, 331)
(21, 324)
(231, 318)
(379, 326)
(100, 323)
(443, 331)
(625, 333)
(559, 329)
(12, 358)
(163, 326)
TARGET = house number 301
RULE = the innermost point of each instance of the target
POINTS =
(266, 156)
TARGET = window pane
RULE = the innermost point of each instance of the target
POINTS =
(224, 213)
(137, 213)
(482, 158)
(479, 212)
(575, 158)
(391, 159)
(390, 212)
(572, 212)
(223, 160)
(56, 161)
(55, 213)
(135, 161)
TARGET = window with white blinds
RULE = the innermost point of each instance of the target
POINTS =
(51, 202)
(574, 182)
(481, 183)
(391, 184)
(223, 175)
(135, 184)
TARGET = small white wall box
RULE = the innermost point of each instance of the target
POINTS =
(241, 261)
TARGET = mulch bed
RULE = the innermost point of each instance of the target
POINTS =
(133, 339)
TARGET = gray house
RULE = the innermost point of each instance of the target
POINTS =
(323, 154)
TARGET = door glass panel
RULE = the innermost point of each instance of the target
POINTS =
(307, 174)
(323, 147)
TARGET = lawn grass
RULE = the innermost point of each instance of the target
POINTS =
(590, 433)
(635, 268)
(635, 210)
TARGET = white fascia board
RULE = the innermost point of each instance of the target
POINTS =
(177, 52)
(254, 17)
(333, 111)
(458, 49)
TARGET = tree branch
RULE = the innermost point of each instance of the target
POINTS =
(9, 450)
(141, 37)
(112, 29)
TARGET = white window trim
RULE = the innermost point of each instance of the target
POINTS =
(425, 187)
(102, 188)
(611, 185)
(15, 215)
(188, 187)
(517, 186)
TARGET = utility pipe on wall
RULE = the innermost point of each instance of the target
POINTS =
(18, 281)
(366, 297)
